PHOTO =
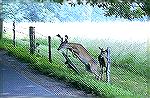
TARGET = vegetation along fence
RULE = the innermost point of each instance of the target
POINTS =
(33, 48)
(128, 59)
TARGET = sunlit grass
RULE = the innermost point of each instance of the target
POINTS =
(85, 81)
(128, 61)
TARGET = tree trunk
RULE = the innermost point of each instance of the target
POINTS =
(1, 20)
(1, 28)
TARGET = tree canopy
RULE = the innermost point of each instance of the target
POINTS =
(127, 9)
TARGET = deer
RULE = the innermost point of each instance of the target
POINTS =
(102, 58)
(81, 53)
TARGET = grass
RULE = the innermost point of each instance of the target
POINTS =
(124, 80)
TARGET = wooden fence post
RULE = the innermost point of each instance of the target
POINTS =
(49, 49)
(32, 39)
(14, 35)
(108, 65)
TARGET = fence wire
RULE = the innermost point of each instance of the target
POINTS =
(128, 55)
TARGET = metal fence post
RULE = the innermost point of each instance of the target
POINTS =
(14, 35)
(49, 49)
(108, 65)
(32, 39)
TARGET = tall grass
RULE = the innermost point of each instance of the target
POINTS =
(129, 70)
(130, 56)
(84, 81)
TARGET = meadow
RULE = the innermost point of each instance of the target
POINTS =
(129, 64)
(126, 39)
(129, 55)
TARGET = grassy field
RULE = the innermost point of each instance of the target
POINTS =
(129, 65)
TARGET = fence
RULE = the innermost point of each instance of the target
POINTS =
(123, 54)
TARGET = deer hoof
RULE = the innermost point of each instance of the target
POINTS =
(66, 62)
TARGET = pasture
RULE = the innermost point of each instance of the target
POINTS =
(129, 55)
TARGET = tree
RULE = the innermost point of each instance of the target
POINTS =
(1, 21)
(127, 9)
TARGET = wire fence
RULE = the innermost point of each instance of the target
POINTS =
(22, 39)
(128, 55)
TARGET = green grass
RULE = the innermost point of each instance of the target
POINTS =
(129, 73)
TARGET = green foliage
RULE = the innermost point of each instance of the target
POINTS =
(123, 11)
(0, 35)
(130, 71)
(58, 1)
(54, 43)
(128, 80)
(41, 41)
(132, 62)
(84, 81)
(138, 13)
(1, 45)
(123, 8)
(119, 8)
(146, 7)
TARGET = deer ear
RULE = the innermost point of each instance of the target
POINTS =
(66, 36)
(101, 48)
(58, 35)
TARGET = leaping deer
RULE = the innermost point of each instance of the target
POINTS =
(82, 54)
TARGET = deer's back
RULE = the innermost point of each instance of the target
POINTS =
(82, 52)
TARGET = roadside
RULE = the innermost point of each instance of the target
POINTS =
(19, 80)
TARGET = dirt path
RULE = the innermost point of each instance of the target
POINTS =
(19, 80)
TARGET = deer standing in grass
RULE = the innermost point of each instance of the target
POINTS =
(82, 54)
(102, 58)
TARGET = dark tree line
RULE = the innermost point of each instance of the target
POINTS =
(118, 8)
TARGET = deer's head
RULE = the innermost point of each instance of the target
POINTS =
(63, 44)
(103, 52)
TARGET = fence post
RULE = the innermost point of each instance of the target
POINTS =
(49, 49)
(108, 65)
(14, 35)
(32, 39)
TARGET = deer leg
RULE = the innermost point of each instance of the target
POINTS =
(97, 75)
(75, 53)
(67, 53)
(94, 70)
(105, 63)
(88, 67)
(101, 72)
